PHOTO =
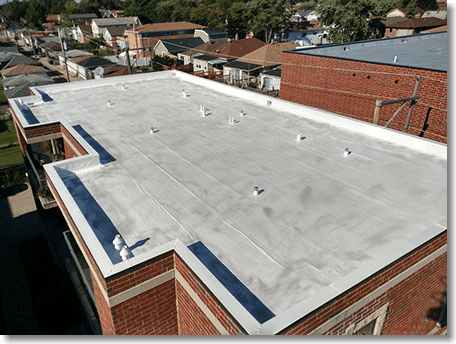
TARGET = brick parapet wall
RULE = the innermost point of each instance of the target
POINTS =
(351, 88)
(42, 130)
(69, 150)
(433, 286)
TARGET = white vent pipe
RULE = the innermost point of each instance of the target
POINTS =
(118, 242)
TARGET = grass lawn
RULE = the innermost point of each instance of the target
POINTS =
(8, 135)
(10, 156)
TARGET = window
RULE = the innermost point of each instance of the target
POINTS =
(371, 325)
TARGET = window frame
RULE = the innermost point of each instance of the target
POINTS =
(379, 316)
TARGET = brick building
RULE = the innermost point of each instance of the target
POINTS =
(348, 79)
(239, 213)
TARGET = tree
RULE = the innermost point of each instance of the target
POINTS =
(212, 15)
(411, 9)
(269, 17)
(238, 19)
(35, 14)
(346, 19)
(305, 6)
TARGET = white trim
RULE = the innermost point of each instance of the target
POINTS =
(379, 316)
(67, 140)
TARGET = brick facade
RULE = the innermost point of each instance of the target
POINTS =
(351, 88)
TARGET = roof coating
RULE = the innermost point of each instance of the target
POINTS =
(424, 51)
(321, 220)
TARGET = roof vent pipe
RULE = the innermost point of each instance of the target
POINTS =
(124, 252)
(152, 131)
(346, 152)
(184, 93)
(242, 113)
(231, 120)
(21, 101)
(118, 242)
(255, 191)
(124, 87)
(395, 58)
(299, 137)
(109, 103)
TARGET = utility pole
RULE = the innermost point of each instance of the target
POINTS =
(64, 56)
(150, 55)
(33, 46)
(127, 51)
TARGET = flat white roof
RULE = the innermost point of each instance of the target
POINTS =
(321, 219)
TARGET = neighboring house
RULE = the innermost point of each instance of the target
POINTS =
(116, 70)
(47, 44)
(241, 73)
(149, 35)
(85, 65)
(83, 33)
(8, 47)
(226, 48)
(208, 63)
(101, 24)
(51, 22)
(270, 80)
(20, 60)
(413, 26)
(72, 54)
(111, 34)
(171, 47)
(6, 56)
(269, 56)
(210, 34)
(22, 69)
(377, 25)
(305, 16)
(19, 86)
(401, 12)
(82, 18)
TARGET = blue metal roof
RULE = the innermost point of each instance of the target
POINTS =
(424, 51)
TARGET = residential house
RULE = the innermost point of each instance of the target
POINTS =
(19, 60)
(112, 34)
(270, 79)
(116, 70)
(441, 14)
(82, 18)
(83, 33)
(22, 69)
(401, 12)
(241, 73)
(148, 35)
(208, 34)
(377, 25)
(208, 64)
(171, 47)
(19, 86)
(84, 66)
(413, 26)
(48, 44)
(72, 54)
(268, 56)
(51, 22)
(6, 56)
(101, 24)
(226, 48)
(305, 16)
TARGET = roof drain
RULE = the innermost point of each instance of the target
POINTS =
(255, 191)
(346, 152)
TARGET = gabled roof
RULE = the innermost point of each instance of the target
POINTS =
(157, 27)
(228, 47)
(420, 11)
(268, 55)
(22, 69)
(85, 28)
(102, 22)
(116, 31)
(77, 53)
(177, 45)
(243, 65)
(5, 56)
(82, 16)
(20, 60)
(27, 79)
(92, 62)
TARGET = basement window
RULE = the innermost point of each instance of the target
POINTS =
(371, 325)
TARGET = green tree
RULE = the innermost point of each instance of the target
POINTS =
(411, 9)
(238, 19)
(307, 5)
(35, 14)
(346, 19)
(212, 15)
(269, 17)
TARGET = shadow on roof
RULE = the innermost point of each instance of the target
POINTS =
(105, 157)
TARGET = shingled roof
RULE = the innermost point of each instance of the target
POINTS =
(416, 23)
(228, 48)
(157, 27)
(268, 55)
(22, 69)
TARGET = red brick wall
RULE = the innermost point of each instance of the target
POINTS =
(191, 318)
(410, 301)
(42, 130)
(69, 151)
(351, 88)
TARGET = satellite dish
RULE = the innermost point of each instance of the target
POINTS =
(99, 71)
